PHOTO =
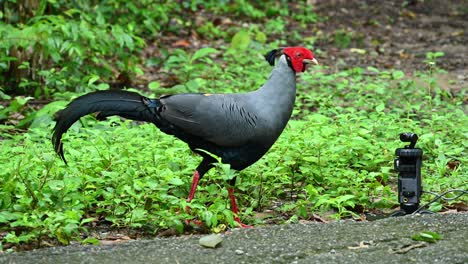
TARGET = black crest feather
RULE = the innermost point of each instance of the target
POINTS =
(271, 56)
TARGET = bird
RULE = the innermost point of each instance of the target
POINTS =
(239, 128)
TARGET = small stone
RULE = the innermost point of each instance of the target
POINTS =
(239, 252)
(210, 241)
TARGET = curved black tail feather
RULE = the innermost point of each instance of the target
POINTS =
(106, 103)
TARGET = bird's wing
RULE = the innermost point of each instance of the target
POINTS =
(223, 119)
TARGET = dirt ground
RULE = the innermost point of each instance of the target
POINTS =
(395, 35)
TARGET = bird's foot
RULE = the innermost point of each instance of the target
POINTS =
(192, 221)
(234, 209)
(242, 225)
(195, 222)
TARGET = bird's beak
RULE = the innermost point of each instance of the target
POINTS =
(312, 61)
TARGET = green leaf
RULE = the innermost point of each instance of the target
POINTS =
(138, 70)
(341, 199)
(241, 40)
(293, 220)
(4, 96)
(90, 241)
(153, 86)
(44, 117)
(427, 236)
(87, 220)
(23, 100)
(41, 121)
(202, 53)
(179, 226)
(261, 37)
(103, 86)
(435, 207)
(398, 75)
(358, 51)
(62, 236)
(56, 185)
(93, 79)
(373, 69)
(311, 191)
(6, 216)
(380, 107)
(176, 181)
(207, 217)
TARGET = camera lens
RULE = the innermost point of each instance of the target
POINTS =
(408, 137)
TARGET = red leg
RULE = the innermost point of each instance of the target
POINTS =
(196, 178)
(234, 208)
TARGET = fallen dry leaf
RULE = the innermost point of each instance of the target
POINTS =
(453, 164)
(211, 241)
(112, 242)
(263, 215)
(319, 219)
(457, 33)
(409, 14)
(168, 233)
(181, 43)
(362, 244)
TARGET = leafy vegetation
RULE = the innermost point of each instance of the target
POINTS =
(334, 159)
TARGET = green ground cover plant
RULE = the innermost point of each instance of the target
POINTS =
(335, 158)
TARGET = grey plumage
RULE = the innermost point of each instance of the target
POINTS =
(235, 119)
(238, 128)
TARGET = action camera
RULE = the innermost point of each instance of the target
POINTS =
(408, 165)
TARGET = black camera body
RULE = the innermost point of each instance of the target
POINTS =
(408, 165)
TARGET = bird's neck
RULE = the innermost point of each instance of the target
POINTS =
(280, 88)
(274, 101)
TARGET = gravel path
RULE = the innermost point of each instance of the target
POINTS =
(384, 241)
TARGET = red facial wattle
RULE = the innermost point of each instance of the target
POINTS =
(297, 56)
